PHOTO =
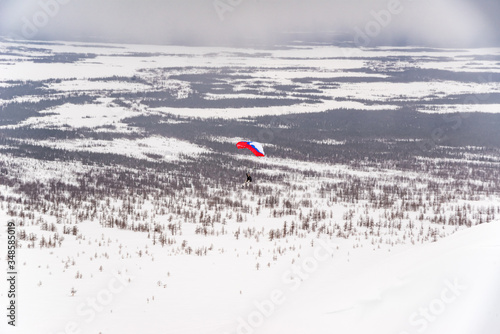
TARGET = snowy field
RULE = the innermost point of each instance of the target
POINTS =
(298, 79)
(371, 213)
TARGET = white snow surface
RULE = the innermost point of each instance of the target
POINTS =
(450, 286)
(79, 116)
(161, 148)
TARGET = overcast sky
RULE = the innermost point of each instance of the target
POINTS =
(368, 22)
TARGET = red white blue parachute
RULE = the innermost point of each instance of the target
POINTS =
(253, 146)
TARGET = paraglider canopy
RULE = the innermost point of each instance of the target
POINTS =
(253, 146)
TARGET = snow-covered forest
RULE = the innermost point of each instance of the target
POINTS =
(376, 208)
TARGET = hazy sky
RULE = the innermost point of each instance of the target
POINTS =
(368, 22)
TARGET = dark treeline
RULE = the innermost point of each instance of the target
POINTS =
(64, 57)
(408, 75)
(15, 112)
(372, 135)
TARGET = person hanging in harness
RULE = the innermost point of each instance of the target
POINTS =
(249, 178)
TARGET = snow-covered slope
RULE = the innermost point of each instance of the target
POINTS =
(446, 287)
(450, 286)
